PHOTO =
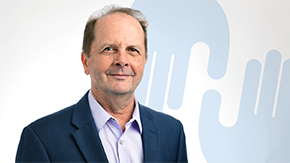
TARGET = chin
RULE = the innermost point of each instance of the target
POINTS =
(122, 91)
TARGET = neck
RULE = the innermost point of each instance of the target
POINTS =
(119, 106)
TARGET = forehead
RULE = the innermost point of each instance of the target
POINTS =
(119, 25)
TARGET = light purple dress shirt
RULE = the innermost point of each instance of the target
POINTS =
(119, 146)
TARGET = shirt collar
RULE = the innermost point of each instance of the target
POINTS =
(101, 116)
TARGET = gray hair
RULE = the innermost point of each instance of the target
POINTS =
(89, 29)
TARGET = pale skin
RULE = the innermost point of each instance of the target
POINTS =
(116, 63)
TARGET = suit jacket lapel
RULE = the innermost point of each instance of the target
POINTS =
(151, 144)
(89, 142)
(87, 137)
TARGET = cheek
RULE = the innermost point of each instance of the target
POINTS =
(100, 64)
(140, 68)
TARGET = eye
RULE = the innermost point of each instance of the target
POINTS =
(133, 50)
(108, 49)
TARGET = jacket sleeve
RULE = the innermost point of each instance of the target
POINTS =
(30, 148)
(182, 152)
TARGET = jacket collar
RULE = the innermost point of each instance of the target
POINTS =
(151, 144)
(87, 137)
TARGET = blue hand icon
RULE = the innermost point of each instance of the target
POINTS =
(174, 26)
(254, 138)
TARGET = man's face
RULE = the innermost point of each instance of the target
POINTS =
(117, 56)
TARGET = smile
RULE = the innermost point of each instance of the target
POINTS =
(120, 76)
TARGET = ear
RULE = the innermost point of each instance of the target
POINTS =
(146, 58)
(85, 63)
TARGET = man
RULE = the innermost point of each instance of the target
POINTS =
(108, 124)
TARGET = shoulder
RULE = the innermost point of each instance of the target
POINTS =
(54, 120)
(64, 118)
(159, 118)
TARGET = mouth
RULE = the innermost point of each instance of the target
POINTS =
(120, 76)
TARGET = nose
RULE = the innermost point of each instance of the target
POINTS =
(121, 60)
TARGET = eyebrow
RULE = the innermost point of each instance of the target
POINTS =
(135, 46)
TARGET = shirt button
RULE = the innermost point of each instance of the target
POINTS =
(121, 142)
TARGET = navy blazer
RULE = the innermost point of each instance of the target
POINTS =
(70, 135)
